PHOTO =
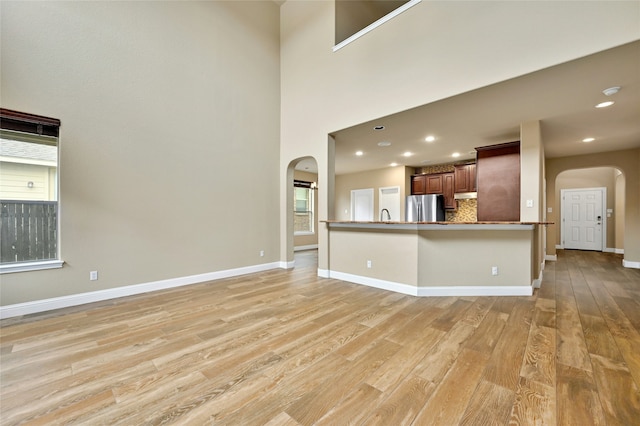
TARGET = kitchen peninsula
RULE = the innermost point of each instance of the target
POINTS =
(437, 258)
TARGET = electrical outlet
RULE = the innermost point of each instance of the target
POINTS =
(93, 276)
(261, 253)
(494, 270)
(368, 264)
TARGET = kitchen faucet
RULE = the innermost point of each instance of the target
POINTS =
(382, 214)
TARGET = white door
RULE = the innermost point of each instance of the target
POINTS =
(582, 218)
(389, 198)
(362, 205)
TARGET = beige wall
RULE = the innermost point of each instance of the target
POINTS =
(465, 258)
(434, 258)
(619, 210)
(393, 254)
(169, 141)
(628, 162)
(376, 179)
(532, 187)
(423, 55)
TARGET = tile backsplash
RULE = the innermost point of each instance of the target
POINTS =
(467, 211)
(438, 168)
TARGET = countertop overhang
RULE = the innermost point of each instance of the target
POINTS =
(441, 226)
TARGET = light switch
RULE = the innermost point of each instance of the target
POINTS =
(529, 203)
(549, 210)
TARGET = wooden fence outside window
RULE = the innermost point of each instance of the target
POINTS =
(28, 231)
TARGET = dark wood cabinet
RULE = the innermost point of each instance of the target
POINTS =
(437, 183)
(448, 185)
(465, 178)
(498, 174)
(418, 184)
(434, 184)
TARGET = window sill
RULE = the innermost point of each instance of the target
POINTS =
(303, 233)
(30, 266)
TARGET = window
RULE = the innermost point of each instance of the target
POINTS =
(303, 207)
(355, 18)
(28, 192)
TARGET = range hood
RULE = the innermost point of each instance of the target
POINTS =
(465, 195)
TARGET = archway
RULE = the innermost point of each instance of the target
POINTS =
(612, 182)
(302, 212)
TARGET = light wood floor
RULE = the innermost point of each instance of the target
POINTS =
(288, 348)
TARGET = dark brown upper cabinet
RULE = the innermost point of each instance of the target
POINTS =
(498, 174)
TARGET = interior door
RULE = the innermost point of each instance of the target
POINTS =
(582, 218)
(389, 198)
(362, 205)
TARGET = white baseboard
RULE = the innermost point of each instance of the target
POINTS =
(613, 250)
(434, 291)
(551, 257)
(44, 305)
(287, 265)
(537, 283)
(606, 250)
(308, 247)
(630, 264)
(375, 282)
(511, 290)
(323, 273)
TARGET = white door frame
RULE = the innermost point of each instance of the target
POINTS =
(563, 212)
(389, 198)
(362, 192)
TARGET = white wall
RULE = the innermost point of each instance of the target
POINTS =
(169, 137)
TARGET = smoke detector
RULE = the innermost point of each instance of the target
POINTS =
(611, 90)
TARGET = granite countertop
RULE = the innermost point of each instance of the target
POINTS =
(346, 222)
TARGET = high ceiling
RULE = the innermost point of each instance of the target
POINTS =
(562, 97)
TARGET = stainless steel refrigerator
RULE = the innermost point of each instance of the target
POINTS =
(424, 208)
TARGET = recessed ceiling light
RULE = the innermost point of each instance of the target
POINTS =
(605, 104)
(393, 164)
(587, 140)
(430, 138)
(408, 154)
(384, 143)
(378, 128)
(359, 153)
(455, 154)
(611, 90)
